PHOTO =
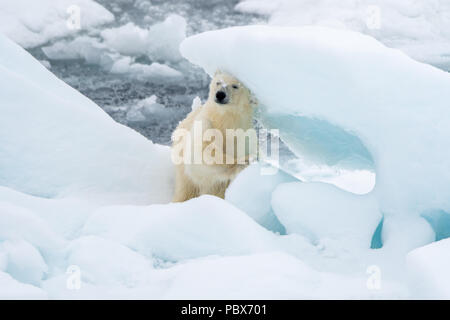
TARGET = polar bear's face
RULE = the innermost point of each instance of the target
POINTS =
(226, 90)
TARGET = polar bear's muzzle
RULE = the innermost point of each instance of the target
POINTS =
(221, 97)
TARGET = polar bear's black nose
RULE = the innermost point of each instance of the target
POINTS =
(220, 96)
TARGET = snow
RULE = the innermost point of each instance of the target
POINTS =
(150, 111)
(108, 262)
(343, 102)
(20, 223)
(402, 101)
(251, 192)
(82, 47)
(116, 49)
(64, 216)
(32, 23)
(208, 226)
(326, 212)
(154, 71)
(428, 270)
(24, 262)
(419, 28)
(132, 34)
(61, 160)
(81, 195)
(160, 42)
(11, 289)
(228, 278)
(89, 153)
(402, 234)
(196, 102)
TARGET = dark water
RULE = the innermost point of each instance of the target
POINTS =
(114, 93)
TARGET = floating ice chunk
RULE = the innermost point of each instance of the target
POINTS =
(160, 42)
(263, 7)
(428, 268)
(46, 64)
(128, 39)
(31, 23)
(149, 110)
(166, 38)
(134, 114)
(117, 49)
(126, 65)
(322, 211)
(84, 48)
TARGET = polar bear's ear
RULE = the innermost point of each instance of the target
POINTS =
(218, 72)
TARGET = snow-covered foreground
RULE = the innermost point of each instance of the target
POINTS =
(83, 197)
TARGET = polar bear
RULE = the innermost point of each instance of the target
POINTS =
(210, 146)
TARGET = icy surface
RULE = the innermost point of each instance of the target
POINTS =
(209, 226)
(419, 28)
(81, 193)
(64, 144)
(160, 42)
(94, 228)
(251, 192)
(342, 99)
(32, 23)
(142, 44)
(326, 213)
(399, 112)
(13, 289)
(428, 267)
(116, 49)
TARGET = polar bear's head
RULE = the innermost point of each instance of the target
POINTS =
(226, 90)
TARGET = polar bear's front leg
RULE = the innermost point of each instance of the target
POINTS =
(185, 189)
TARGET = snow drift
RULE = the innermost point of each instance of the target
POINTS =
(55, 142)
(426, 265)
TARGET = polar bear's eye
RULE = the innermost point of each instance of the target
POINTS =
(235, 86)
